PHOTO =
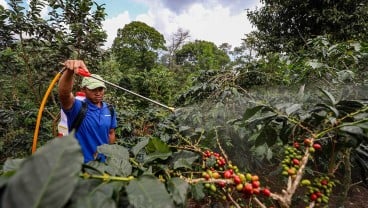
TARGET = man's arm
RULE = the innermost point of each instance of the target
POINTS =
(66, 82)
(112, 138)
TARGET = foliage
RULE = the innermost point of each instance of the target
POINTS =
(340, 127)
(158, 84)
(214, 85)
(171, 172)
(324, 62)
(137, 46)
(6, 32)
(286, 26)
(40, 176)
(201, 55)
(229, 116)
(53, 164)
(178, 39)
(84, 21)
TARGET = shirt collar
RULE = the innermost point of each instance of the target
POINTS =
(93, 106)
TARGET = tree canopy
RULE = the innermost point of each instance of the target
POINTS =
(137, 46)
(203, 55)
(287, 25)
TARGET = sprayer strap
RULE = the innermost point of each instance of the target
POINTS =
(82, 113)
(80, 117)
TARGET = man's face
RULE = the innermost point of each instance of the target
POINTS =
(96, 95)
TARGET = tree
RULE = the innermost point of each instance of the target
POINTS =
(6, 32)
(178, 39)
(226, 47)
(202, 55)
(84, 23)
(286, 25)
(137, 46)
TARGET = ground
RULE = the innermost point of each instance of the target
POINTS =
(358, 197)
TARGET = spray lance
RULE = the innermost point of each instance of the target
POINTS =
(82, 72)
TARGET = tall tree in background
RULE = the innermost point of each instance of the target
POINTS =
(137, 46)
(286, 25)
(178, 39)
(202, 55)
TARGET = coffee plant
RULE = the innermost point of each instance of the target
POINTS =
(167, 174)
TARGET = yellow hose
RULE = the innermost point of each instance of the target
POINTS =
(42, 107)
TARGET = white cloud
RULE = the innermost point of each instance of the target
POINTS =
(217, 24)
(45, 10)
(4, 4)
(112, 25)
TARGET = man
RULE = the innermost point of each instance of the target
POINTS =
(98, 125)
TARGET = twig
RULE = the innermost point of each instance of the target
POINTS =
(259, 202)
(232, 200)
(220, 147)
(210, 180)
(285, 197)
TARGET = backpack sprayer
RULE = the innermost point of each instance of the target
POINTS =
(84, 73)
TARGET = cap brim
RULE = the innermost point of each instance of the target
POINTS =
(95, 86)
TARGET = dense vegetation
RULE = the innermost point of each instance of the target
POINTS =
(279, 121)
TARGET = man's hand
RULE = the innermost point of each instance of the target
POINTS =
(67, 80)
(74, 65)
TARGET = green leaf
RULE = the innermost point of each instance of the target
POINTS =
(148, 191)
(93, 195)
(261, 139)
(331, 108)
(178, 189)
(345, 75)
(84, 188)
(135, 150)
(47, 178)
(354, 131)
(211, 161)
(265, 118)
(156, 145)
(363, 125)
(349, 106)
(197, 191)
(269, 154)
(329, 95)
(267, 135)
(252, 111)
(94, 167)
(114, 151)
(12, 164)
(284, 133)
(117, 162)
(292, 109)
(157, 155)
(184, 128)
(118, 167)
(314, 64)
(360, 156)
(261, 151)
(184, 159)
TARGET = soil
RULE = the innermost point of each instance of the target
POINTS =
(357, 197)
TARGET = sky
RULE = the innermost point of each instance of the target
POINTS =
(217, 21)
